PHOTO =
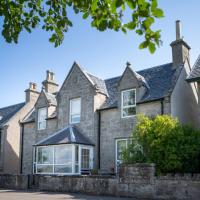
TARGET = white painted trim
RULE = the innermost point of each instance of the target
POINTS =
(116, 141)
(73, 163)
(122, 107)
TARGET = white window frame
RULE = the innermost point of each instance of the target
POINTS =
(129, 106)
(116, 142)
(38, 119)
(70, 111)
(73, 163)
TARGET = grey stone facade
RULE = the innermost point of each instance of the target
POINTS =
(159, 90)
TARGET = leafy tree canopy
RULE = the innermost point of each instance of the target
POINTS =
(164, 141)
(52, 15)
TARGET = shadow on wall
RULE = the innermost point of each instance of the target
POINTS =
(11, 161)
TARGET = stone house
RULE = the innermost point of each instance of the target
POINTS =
(87, 122)
(10, 131)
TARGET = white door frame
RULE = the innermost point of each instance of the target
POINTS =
(116, 160)
(91, 157)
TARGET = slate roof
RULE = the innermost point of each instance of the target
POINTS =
(195, 73)
(99, 84)
(7, 112)
(51, 98)
(68, 135)
(30, 117)
(160, 80)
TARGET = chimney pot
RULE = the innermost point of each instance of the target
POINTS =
(32, 86)
(49, 84)
(50, 76)
(178, 30)
(31, 92)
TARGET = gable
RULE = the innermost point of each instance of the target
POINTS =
(75, 77)
(42, 100)
(128, 80)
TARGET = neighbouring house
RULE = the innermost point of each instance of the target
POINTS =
(87, 122)
(10, 131)
(194, 77)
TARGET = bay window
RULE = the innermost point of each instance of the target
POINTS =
(63, 159)
(128, 102)
(42, 115)
(75, 110)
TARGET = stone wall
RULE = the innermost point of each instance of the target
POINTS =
(14, 181)
(136, 181)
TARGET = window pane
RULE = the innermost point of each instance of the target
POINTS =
(63, 169)
(39, 156)
(75, 110)
(75, 118)
(121, 145)
(42, 115)
(45, 155)
(76, 159)
(63, 154)
(85, 158)
(44, 169)
(129, 98)
(129, 111)
(75, 106)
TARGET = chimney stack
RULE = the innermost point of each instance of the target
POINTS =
(31, 93)
(49, 84)
(180, 49)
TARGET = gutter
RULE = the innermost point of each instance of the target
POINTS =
(162, 106)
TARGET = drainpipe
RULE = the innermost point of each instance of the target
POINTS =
(22, 147)
(162, 106)
(99, 139)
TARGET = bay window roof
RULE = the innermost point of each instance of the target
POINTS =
(68, 135)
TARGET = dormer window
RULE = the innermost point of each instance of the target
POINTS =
(128, 102)
(75, 110)
(42, 115)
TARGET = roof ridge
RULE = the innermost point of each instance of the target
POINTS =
(140, 70)
(154, 67)
(94, 75)
(112, 78)
(12, 105)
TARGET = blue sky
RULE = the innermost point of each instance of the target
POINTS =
(101, 53)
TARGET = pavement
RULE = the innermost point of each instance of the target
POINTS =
(36, 195)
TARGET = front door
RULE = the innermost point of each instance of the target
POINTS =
(121, 144)
(86, 159)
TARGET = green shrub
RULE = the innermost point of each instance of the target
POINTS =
(164, 141)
